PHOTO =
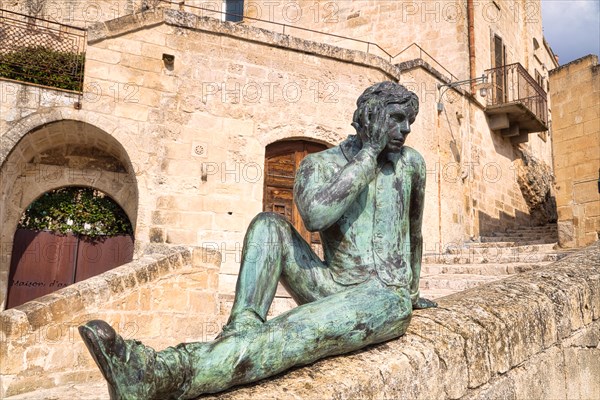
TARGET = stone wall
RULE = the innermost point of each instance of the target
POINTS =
(152, 299)
(535, 335)
(575, 92)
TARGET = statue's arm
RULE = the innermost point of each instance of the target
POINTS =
(323, 190)
(417, 204)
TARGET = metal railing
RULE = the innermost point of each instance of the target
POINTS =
(512, 84)
(42, 52)
(369, 47)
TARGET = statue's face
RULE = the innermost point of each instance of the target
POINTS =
(400, 117)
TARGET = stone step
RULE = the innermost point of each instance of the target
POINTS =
(433, 294)
(542, 228)
(455, 282)
(499, 248)
(481, 269)
(529, 239)
(492, 258)
(90, 390)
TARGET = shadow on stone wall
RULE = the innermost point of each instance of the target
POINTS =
(489, 224)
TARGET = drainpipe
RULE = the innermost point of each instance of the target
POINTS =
(471, 33)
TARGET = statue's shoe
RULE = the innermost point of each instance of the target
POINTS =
(127, 365)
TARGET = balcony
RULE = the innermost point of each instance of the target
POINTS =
(41, 52)
(516, 104)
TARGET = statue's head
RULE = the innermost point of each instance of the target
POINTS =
(399, 103)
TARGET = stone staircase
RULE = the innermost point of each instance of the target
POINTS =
(489, 258)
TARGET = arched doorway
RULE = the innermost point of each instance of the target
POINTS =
(55, 155)
(65, 236)
(281, 163)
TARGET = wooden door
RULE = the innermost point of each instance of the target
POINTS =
(281, 163)
(43, 262)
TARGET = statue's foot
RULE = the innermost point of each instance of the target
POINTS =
(423, 303)
(127, 365)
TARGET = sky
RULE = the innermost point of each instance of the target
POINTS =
(572, 27)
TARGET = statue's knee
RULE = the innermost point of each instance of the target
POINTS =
(269, 219)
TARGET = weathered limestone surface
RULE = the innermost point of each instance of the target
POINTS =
(536, 181)
(153, 299)
(575, 93)
(534, 335)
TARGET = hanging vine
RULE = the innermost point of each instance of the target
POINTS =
(77, 210)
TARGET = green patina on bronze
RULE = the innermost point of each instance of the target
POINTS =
(366, 199)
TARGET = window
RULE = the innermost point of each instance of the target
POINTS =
(499, 60)
(234, 10)
(539, 79)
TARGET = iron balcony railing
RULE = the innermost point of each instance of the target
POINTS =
(512, 84)
(42, 52)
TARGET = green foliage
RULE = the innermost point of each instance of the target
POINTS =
(44, 66)
(77, 210)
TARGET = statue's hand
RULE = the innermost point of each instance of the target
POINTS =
(374, 119)
(423, 303)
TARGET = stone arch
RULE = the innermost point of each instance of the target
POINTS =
(318, 134)
(135, 145)
(54, 154)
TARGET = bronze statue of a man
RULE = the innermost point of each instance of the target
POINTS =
(366, 199)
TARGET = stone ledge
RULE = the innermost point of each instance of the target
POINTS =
(125, 24)
(134, 22)
(151, 298)
(513, 338)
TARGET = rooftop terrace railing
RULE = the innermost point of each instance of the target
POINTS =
(369, 47)
(42, 52)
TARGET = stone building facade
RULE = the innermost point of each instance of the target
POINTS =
(188, 105)
(575, 92)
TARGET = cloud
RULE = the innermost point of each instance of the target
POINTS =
(572, 27)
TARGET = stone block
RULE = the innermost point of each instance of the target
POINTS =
(541, 377)
(169, 298)
(586, 361)
(38, 314)
(96, 70)
(206, 257)
(136, 112)
(161, 217)
(13, 323)
(197, 220)
(592, 209)
(586, 192)
(181, 236)
(588, 337)
(142, 63)
(202, 302)
(102, 56)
